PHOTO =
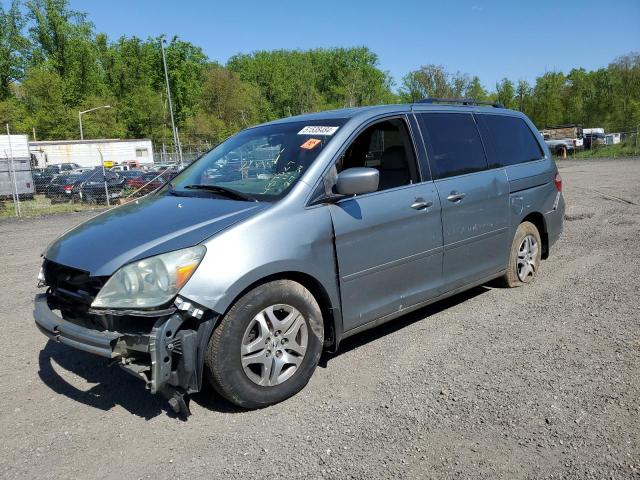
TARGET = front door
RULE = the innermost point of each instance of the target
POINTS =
(389, 242)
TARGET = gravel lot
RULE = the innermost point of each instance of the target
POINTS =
(536, 382)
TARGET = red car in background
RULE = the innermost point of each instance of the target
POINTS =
(130, 175)
(150, 181)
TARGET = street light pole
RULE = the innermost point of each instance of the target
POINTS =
(176, 140)
(87, 111)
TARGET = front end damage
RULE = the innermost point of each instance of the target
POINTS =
(165, 347)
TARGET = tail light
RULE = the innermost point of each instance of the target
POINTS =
(67, 188)
(558, 181)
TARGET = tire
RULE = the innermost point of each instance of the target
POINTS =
(522, 255)
(249, 332)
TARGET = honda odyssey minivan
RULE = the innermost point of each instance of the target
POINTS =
(293, 235)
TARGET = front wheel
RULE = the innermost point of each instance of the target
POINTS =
(525, 257)
(267, 346)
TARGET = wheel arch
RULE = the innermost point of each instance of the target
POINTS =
(331, 313)
(538, 220)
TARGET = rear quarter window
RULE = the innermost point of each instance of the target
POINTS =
(509, 140)
(453, 143)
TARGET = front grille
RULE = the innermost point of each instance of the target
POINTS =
(71, 291)
(71, 285)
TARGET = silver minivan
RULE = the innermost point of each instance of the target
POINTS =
(292, 235)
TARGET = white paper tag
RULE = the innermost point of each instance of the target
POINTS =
(318, 130)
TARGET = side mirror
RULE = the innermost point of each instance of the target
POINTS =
(357, 181)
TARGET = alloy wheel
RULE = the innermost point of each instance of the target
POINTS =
(527, 257)
(274, 345)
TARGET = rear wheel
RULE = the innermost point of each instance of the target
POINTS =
(267, 346)
(525, 257)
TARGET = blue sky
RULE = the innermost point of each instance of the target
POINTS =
(491, 39)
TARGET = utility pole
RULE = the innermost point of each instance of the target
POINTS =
(176, 139)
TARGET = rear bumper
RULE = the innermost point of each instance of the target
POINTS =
(169, 356)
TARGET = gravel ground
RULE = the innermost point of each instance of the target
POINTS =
(536, 382)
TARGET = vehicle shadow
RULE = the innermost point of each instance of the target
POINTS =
(113, 386)
(399, 323)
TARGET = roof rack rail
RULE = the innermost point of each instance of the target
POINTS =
(461, 101)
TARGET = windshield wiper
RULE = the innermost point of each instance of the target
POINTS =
(228, 192)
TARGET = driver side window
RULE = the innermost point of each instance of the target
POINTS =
(387, 147)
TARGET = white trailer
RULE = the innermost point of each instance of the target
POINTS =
(15, 167)
(92, 153)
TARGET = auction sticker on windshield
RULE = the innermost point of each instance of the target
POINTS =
(311, 144)
(318, 130)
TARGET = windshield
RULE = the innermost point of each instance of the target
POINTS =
(262, 163)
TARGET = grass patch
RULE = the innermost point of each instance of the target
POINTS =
(40, 205)
(623, 149)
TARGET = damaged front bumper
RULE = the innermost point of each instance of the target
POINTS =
(169, 358)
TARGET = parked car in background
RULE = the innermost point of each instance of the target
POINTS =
(58, 168)
(60, 188)
(95, 187)
(130, 175)
(40, 180)
(151, 181)
(244, 279)
(43, 176)
(570, 136)
(560, 147)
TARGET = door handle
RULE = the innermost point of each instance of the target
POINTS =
(455, 196)
(421, 204)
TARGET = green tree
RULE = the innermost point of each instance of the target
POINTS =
(505, 92)
(523, 96)
(227, 105)
(43, 92)
(295, 81)
(187, 66)
(475, 90)
(625, 79)
(577, 93)
(63, 40)
(547, 102)
(13, 47)
(428, 81)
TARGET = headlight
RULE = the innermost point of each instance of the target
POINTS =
(150, 282)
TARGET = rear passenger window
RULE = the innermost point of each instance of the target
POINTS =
(453, 143)
(509, 139)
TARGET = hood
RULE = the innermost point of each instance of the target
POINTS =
(146, 227)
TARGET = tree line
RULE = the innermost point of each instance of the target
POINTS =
(53, 64)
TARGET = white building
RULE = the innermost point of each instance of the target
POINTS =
(91, 153)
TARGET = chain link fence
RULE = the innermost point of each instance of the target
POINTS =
(29, 192)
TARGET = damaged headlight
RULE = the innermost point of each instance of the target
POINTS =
(150, 282)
